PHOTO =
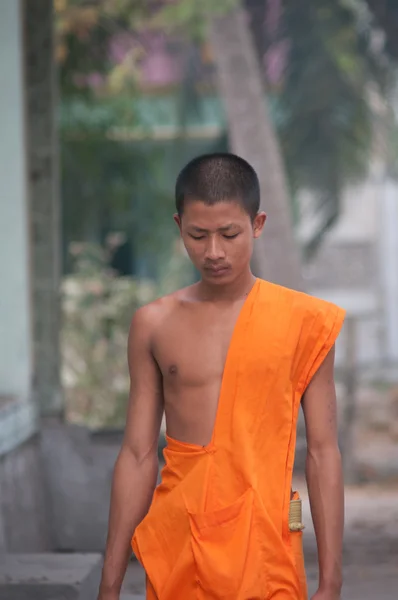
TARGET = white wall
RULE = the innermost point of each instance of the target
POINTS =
(15, 327)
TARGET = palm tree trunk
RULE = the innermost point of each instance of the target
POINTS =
(252, 136)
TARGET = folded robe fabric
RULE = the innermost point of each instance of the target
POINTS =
(218, 525)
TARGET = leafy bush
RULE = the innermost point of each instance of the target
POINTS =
(97, 310)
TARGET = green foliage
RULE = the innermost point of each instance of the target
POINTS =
(189, 17)
(84, 30)
(97, 309)
(322, 114)
(114, 184)
(81, 118)
(326, 129)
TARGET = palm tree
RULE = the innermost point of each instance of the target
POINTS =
(323, 133)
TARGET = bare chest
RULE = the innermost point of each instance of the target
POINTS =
(192, 347)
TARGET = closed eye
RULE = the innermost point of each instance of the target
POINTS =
(201, 237)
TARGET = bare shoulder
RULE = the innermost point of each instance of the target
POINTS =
(147, 319)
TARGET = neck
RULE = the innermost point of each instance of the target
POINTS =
(235, 290)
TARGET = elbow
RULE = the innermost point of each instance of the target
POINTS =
(139, 456)
(132, 465)
(323, 455)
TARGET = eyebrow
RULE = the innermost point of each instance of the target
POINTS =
(225, 228)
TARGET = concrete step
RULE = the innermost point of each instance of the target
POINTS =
(50, 576)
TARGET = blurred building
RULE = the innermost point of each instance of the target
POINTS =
(29, 258)
(356, 266)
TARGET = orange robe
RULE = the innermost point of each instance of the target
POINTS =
(218, 525)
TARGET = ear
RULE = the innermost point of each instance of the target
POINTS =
(258, 224)
(177, 220)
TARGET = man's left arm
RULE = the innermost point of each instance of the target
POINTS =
(324, 477)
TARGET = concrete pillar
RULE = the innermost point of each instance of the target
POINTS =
(389, 266)
(42, 151)
(15, 310)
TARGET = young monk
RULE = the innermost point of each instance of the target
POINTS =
(229, 359)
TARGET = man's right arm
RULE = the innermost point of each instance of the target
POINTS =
(136, 468)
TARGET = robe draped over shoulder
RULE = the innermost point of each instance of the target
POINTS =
(218, 525)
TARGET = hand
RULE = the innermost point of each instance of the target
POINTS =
(108, 595)
(326, 595)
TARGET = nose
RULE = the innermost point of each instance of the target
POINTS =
(214, 249)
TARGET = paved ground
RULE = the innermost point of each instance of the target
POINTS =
(370, 554)
(361, 583)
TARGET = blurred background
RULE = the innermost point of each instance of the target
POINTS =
(101, 104)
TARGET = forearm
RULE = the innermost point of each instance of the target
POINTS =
(326, 493)
(132, 490)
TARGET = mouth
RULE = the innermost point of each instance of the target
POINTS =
(217, 271)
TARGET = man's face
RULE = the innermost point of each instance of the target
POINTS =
(219, 238)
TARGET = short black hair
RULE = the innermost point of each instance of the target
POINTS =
(214, 178)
